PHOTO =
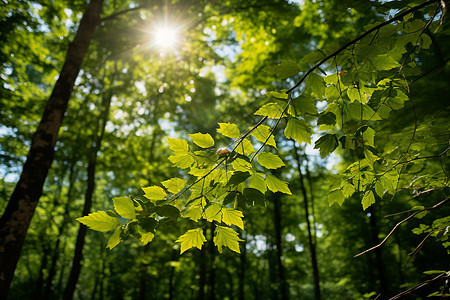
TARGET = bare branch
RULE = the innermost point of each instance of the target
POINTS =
(400, 223)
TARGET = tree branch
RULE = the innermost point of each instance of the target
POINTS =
(378, 27)
(400, 223)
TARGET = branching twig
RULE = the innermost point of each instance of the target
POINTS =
(400, 223)
(378, 27)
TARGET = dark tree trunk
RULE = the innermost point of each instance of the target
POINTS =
(283, 287)
(212, 270)
(202, 271)
(76, 264)
(61, 228)
(16, 219)
(242, 266)
(312, 245)
(378, 256)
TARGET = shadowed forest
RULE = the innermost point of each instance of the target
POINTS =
(260, 149)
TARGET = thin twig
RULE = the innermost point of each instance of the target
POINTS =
(400, 223)
(379, 26)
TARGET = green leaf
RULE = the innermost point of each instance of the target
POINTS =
(192, 238)
(431, 272)
(168, 211)
(238, 177)
(261, 133)
(384, 62)
(213, 213)
(100, 221)
(305, 105)
(270, 161)
(254, 196)
(369, 136)
(245, 147)
(154, 193)
(146, 238)
(317, 84)
(229, 130)
(174, 185)
(124, 206)
(326, 144)
(203, 140)
(194, 213)
(336, 196)
(298, 130)
(371, 158)
(277, 185)
(257, 182)
(182, 161)
(286, 69)
(367, 200)
(241, 165)
(232, 217)
(278, 94)
(226, 237)
(178, 146)
(115, 239)
(271, 110)
(326, 118)
(355, 95)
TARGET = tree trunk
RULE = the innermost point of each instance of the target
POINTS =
(378, 256)
(202, 271)
(212, 270)
(16, 219)
(312, 246)
(283, 287)
(61, 228)
(242, 266)
(76, 265)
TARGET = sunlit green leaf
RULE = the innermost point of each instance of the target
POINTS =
(178, 146)
(367, 200)
(229, 130)
(226, 237)
(271, 110)
(262, 133)
(232, 217)
(115, 239)
(100, 221)
(124, 206)
(277, 185)
(269, 160)
(192, 238)
(154, 193)
(174, 185)
(203, 140)
(298, 130)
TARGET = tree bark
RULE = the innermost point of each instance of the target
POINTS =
(312, 246)
(76, 265)
(16, 219)
(278, 242)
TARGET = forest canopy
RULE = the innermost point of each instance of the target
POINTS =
(266, 149)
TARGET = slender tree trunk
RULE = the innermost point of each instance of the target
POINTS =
(76, 265)
(242, 267)
(212, 270)
(202, 271)
(16, 219)
(61, 228)
(378, 256)
(278, 242)
(312, 246)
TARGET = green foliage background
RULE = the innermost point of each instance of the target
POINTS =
(264, 108)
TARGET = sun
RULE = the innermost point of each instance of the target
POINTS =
(165, 37)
